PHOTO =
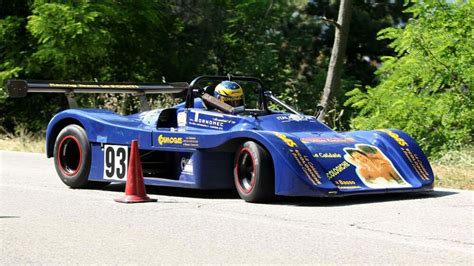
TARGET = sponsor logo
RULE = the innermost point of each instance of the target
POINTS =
(182, 119)
(104, 86)
(307, 166)
(212, 121)
(294, 118)
(191, 142)
(345, 182)
(203, 121)
(337, 170)
(169, 140)
(285, 139)
(327, 140)
(396, 137)
(327, 155)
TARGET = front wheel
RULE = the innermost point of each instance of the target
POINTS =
(253, 173)
(72, 157)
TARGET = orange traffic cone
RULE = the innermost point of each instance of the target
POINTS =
(135, 188)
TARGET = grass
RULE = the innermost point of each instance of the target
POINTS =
(455, 169)
(22, 141)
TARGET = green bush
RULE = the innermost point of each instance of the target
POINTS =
(426, 89)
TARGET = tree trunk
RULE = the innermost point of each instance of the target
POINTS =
(333, 79)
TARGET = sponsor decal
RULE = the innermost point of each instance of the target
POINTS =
(303, 161)
(285, 139)
(105, 86)
(346, 184)
(396, 137)
(213, 121)
(413, 158)
(327, 155)
(169, 140)
(190, 142)
(327, 140)
(417, 164)
(182, 119)
(231, 98)
(348, 187)
(294, 118)
(210, 123)
(337, 170)
(307, 167)
(101, 139)
(373, 167)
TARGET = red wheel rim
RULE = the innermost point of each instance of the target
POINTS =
(69, 155)
(244, 170)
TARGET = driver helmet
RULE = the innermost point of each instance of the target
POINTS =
(230, 92)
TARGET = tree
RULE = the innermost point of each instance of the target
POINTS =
(282, 42)
(82, 40)
(426, 89)
(333, 78)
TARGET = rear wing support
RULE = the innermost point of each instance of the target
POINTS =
(71, 100)
(143, 102)
(20, 88)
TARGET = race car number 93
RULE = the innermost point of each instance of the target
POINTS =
(115, 162)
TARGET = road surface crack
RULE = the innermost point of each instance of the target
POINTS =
(411, 236)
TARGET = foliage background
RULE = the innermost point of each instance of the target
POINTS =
(426, 87)
(423, 86)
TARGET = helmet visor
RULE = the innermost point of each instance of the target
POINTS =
(234, 103)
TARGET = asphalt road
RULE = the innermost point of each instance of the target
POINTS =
(43, 221)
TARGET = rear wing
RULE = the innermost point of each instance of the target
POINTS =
(20, 88)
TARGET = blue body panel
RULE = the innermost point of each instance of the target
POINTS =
(197, 150)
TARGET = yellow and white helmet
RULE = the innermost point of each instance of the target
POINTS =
(230, 92)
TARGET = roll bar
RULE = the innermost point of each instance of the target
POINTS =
(194, 90)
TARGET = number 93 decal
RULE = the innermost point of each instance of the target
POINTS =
(115, 162)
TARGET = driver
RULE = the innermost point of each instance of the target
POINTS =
(230, 93)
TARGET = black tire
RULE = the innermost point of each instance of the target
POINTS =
(72, 158)
(253, 173)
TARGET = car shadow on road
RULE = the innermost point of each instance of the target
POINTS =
(181, 192)
(361, 199)
(282, 200)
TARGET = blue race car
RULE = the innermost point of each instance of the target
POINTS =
(209, 143)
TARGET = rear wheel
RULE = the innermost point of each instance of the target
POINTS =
(253, 173)
(72, 158)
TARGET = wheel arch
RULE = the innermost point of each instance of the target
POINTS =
(232, 145)
(53, 132)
